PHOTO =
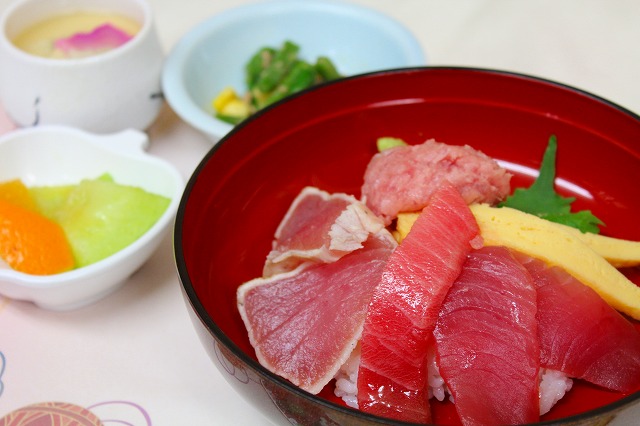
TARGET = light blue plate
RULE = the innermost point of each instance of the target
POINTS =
(212, 55)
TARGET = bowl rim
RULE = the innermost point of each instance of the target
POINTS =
(173, 86)
(216, 332)
(135, 152)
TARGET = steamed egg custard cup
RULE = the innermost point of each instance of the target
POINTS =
(103, 93)
(58, 155)
(213, 55)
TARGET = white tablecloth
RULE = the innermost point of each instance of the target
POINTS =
(137, 351)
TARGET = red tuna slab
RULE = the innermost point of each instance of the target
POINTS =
(402, 179)
(304, 324)
(320, 227)
(487, 343)
(580, 334)
(392, 377)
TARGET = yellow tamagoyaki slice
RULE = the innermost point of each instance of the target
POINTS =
(404, 222)
(552, 243)
(618, 252)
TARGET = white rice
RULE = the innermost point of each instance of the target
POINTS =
(347, 379)
(553, 384)
(437, 388)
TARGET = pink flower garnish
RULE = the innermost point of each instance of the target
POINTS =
(102, 38)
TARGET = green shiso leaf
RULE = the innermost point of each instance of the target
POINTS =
(542, 200)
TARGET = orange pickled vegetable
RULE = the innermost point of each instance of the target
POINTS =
(31, 243)
(16, 192)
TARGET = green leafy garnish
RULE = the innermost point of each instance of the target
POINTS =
(542, 200)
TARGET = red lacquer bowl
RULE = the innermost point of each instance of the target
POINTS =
(325, 136)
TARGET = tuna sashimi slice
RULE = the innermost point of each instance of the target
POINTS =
(402, 179)
(580, 334)
(392, 377)
(304, 324)
(487, 343)
(320, 227)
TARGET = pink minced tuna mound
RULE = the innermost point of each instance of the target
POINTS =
(402, 179)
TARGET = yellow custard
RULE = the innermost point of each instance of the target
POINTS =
(40, 38)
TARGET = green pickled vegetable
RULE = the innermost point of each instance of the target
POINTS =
(327, 69)
(302, 76)
(257, 64)
(231, 119)
(388, 142)
(278, 68)
(271, 75)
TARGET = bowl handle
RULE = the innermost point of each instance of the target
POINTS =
(128, 141)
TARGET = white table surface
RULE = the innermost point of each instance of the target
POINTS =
(139, 346)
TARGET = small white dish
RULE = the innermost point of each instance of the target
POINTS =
(56, 155)
(213, 55)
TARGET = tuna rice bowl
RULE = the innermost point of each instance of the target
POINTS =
(447, 249)
(391, 318)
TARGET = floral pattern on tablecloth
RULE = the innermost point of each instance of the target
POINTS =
(67, 414)
(55, 413)
(50, 414)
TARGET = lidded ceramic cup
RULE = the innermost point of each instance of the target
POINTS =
(115, 89)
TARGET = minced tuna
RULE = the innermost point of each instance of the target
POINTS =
(402, 179)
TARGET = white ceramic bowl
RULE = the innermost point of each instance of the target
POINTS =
(212, 56)
(55, 155)
(104, 93)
